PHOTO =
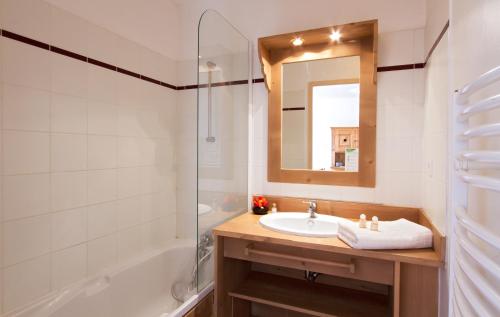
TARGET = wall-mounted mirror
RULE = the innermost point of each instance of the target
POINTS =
(320, 119)
(322, 105)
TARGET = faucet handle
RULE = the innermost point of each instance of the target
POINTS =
(312, 203)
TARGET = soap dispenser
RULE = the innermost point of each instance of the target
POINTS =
(274, 209)
(362, 221)
(374, 224)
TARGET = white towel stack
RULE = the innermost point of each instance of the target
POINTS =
(398, 234)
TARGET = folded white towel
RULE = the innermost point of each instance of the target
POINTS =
(398, 234)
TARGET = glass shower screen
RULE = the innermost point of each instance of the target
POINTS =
(223, 108)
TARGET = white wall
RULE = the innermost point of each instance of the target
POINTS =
(401, 93)
(260, 18)
(399, 133)
(437, 15)
(88, 155)
(435, 135)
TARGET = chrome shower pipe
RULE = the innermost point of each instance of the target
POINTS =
(210, 65)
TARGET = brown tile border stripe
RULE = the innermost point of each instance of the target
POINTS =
(438, 40)
(57, 50)
(399, 67)
(61, 51)
(68, 54)
(73, 55)
(23, 39)
(102, 64)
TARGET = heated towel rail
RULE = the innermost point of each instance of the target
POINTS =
(474, 247)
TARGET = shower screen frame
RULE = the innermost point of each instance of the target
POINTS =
(225, 81)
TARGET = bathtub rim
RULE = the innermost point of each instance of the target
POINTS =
(68, 293)
(191, 302)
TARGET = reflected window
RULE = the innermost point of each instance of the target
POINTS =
(335, 125)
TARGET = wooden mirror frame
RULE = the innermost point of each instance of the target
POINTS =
(358, 39)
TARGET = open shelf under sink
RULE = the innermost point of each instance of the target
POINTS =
(308, 298)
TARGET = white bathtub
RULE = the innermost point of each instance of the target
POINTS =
(141, 288)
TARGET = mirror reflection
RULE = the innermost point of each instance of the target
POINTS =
(320, 114)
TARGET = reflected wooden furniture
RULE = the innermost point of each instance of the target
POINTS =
(358, 39)
(342, 139)
(261, 273)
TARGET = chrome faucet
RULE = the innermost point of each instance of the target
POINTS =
(313, 208)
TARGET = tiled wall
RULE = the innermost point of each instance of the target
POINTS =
(435, 133)
(88, 154)
(399, 132)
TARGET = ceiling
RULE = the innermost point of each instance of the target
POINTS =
(151, 23)
(170, 26)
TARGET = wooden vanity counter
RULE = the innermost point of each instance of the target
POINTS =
(242, 244)
(247, 227)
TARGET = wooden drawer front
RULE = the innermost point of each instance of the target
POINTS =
(342, 265)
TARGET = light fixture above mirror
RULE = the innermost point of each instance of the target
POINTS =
(298, 41)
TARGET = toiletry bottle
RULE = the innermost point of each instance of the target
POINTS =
(374, 224)
(362, 221)
(274, 209)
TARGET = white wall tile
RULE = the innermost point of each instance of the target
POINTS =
(154, 206)
(68, 76)
(129, 152)
(128, 212)
(128, 120)
(25, 108)
(68, 190)
(101, 186)
(25, 195)
(68, 152)
(395, 88)
(26, 239)
(68, 114)
(396, 48)
(129, 182)
(25, 65)
(102, 219)
(25, 152)
(102, 118)
(148, 148)
(153, 180)
(61, 119)
(102, 253)
(26, 282)
(69, 265)
(69, 228)
(102, 84)
(102, 152)
(129, 243)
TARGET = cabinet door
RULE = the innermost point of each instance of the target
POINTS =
(204, 308)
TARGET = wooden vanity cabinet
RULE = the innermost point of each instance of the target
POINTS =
(260, 273)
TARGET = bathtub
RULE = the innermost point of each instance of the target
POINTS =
(140, 288)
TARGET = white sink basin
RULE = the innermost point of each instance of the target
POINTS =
(204, 209)
(299, 223)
